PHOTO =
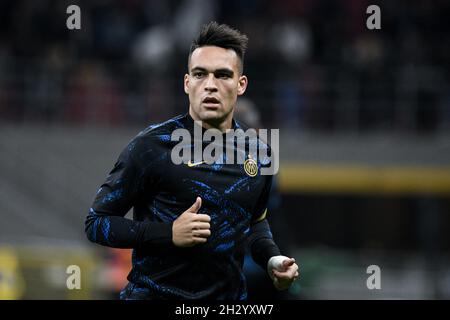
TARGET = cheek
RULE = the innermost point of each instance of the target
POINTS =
(231, 91)
(194, 93)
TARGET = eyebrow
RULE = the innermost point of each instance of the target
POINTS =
(220, 70)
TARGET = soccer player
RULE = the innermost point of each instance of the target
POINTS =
(191, 221)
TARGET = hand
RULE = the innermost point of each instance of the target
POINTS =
(283, 271)
(191, 228)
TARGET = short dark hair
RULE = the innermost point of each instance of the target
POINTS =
(224, 36)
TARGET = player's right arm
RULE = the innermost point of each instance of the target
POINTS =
(106, 223)
(131, 179)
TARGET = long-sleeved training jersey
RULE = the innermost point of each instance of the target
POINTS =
(146, 179)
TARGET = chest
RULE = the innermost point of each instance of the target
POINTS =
(216, 184)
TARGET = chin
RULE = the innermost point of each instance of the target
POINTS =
(210, 115)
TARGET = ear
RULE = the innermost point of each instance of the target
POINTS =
(242, 85)
(186, 83)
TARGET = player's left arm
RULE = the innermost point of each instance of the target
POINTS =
(282, 270)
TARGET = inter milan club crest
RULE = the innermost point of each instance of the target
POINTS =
(250, 167)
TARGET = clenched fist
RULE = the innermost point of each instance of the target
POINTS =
(191, 228)
(283, 271)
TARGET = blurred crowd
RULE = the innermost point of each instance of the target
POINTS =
(312, 64)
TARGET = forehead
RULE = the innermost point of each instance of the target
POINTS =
(212, 58)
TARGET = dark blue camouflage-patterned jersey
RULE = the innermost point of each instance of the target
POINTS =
(146, 179)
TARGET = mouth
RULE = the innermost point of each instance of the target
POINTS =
(211, 102)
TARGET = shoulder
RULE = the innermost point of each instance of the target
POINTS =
(152, 138)
(163, 128)
(160, 132)
(258, 140)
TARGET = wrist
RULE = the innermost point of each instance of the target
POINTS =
(275, 262)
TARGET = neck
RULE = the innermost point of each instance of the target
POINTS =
(220, 124)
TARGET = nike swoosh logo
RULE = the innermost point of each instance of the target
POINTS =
(193, 164)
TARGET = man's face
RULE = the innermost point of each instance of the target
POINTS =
(213, 84)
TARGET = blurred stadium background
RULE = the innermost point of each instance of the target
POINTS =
(364, 119)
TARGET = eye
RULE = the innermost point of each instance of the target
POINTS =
(222, 75)
(198, 74)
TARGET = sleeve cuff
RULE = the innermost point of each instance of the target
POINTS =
(158, 233)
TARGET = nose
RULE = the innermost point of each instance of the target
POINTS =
(210, 84)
